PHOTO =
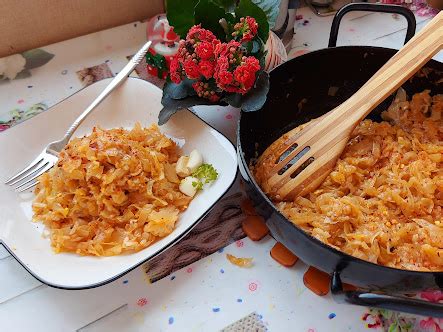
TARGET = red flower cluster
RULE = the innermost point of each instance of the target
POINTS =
(234, 71)
(246, 29)
(216, 66)
(205, 90)
(195, 56)
(195, 60)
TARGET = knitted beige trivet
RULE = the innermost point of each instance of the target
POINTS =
(250, 323)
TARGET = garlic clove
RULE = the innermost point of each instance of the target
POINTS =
(195, 160)
(181, 168)
(186, 186)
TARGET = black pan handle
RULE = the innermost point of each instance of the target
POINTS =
(390, 302)
(372, 7)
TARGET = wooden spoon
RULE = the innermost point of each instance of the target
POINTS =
(299, 161)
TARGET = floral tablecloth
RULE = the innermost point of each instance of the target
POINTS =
(192, 287)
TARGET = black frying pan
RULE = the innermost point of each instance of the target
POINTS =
(306, 81)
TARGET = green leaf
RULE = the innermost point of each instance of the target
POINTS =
(256, 98)
(25, 73)
(386, 313)
(254, 47)
(209, 14)
(230, 18)
(179, 91)
(233, 99)
(408, 325)
(248, 8)
(33, 110)
(15, 113)
(393, 328)
(262, 59)
(271, 9)
(36, 58)
(180, 14)
(172, 106)
(228, 5)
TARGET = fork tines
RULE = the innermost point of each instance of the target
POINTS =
(27, 178)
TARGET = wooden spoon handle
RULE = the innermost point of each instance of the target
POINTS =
(405, 63)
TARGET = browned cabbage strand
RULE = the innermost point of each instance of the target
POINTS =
(383, 201)
(111, 192)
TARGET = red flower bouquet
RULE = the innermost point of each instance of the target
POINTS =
(220, 59)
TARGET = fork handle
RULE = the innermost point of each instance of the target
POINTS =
(405, 63)
(121, 76)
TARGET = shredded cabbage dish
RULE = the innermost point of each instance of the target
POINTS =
(383, 200)
(114, 191)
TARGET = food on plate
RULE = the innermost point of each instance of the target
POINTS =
(239, 261)
(383, 200)
(116, 191)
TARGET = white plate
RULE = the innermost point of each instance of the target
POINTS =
(135, 100)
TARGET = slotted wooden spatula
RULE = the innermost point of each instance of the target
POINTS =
(301, 159)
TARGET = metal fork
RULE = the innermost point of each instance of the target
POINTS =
(27, 178)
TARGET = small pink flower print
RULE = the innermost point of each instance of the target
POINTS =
(432, 324)
(189, 270)
(253, 286)
(376, 321)
(432, 296)
(239, 243)
(3, 127)
(142, 302)
(427, 323)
